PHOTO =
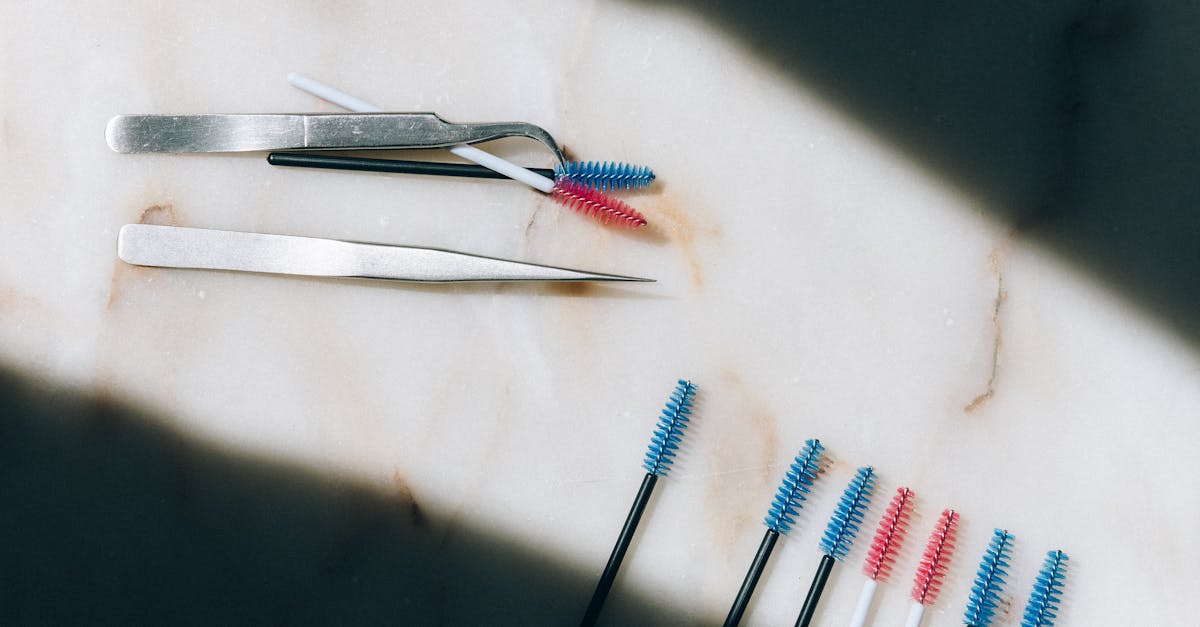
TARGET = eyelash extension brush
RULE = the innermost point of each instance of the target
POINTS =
(604, 176)
(564, 190)
(793, 491)
(989, 581)
(839, 536)
(934, 564)
(882, 555)
(660, 455)
(1042, 609)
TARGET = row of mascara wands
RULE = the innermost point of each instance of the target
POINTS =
(987, 591)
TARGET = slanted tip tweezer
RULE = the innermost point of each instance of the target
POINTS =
(181, 247)
(306, 131)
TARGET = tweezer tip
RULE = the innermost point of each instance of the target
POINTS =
(621, 279)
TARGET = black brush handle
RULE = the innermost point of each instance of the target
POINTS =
(391, 166)
(618, 552)
(815, 590)
(756, 568)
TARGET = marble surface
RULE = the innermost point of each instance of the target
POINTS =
(815, 279)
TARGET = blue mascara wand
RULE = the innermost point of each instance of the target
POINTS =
(1042, 609)
(781, 516)
(605, 176)
(660, 455)
(989, 581)
(839, 535)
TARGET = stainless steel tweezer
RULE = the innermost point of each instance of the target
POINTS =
(180, 247)
(307, 131)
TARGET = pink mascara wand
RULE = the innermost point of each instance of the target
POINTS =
(889, 535)
(934, 564)
(592, 202)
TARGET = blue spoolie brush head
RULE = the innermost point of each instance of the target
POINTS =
(843, 525)
(795, 488)
(989, 581)
(1042, 608)
(669, 430)
(605, 176)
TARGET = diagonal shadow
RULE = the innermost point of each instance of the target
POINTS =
(110, 519)
(1074, 120)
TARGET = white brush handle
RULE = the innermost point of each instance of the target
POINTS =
(331, 94)
(507, 168)
(470, 153)
(915, 614)
(864, 603)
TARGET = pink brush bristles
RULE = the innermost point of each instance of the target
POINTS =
(888, 536)
(936, 559)
(595, 203)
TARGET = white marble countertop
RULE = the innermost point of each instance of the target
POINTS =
(815, 279)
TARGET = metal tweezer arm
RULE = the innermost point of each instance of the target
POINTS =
(180, 247)
(307, 131)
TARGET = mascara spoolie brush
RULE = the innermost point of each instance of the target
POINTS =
(989, 581)
(889, 535)
(659, 458)
(781, 516)
(839, 535)
(934, 564)
(1042, 609)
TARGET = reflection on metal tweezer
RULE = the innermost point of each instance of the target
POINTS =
(180, 247)
(307, 131)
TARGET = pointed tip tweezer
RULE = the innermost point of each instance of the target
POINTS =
(182, 247)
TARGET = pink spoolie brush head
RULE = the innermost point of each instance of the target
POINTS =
(936, 559)
(595, 203)
(888, 536)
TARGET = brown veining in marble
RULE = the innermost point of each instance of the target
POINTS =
(12, 300)
(1006, 610)
(404, 495)
(117, 279)
(160, 214)
(764, 425)
(574, 288)
(533, 217)
(829, 462)
(995, 262)
(669, 216)
(749, 442)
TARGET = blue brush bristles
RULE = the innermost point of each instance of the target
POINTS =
(669, 430)
(1042, 608)
(989, 581)
(605, 175)
(795, 488)
(843, 525)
